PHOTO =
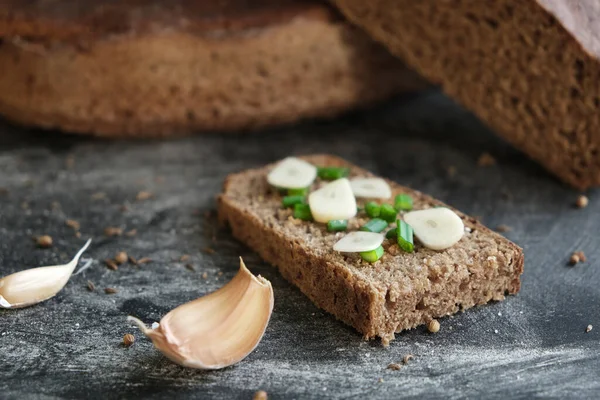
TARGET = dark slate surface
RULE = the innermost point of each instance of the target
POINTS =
(531, 345)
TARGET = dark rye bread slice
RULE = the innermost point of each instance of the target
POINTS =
(401, 290)
(159, 68)
(528, 68)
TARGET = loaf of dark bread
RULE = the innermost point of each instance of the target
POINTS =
(157, 67)
(528, 68)
(401, 290)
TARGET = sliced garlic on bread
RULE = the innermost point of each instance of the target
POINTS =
(333, 201)
(374, 188)
(436, 228)
(292, 173)
(359, 241)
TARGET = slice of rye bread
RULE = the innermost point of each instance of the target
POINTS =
(401, 290)
(528, 68)
(156, 68)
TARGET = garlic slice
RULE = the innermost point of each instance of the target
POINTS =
(374, 188)
(217, 330)
(32, 286)
(292, 173)
(359, 241)
(333, 201)
(437, 228)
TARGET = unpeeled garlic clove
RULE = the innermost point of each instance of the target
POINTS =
(32, 286)
(217, 330)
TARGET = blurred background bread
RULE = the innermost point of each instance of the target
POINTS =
(155, 68)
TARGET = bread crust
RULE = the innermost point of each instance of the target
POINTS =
(277, 68)
(529, 69)
(401, 291)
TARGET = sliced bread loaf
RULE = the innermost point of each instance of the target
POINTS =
(528, 68)
(401, 290)
(159, 68)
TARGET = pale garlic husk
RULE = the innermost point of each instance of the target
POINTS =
(219, 329)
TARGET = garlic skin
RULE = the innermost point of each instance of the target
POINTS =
(219, 329)
(32, 286)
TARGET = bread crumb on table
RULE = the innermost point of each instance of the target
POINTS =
(503, 228)
(588, 328)
(260, 395)
(44, 241)
(582, 201)
(577, 257)
(433, 326)
(486, 160)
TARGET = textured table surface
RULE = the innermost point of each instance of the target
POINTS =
(531, 345)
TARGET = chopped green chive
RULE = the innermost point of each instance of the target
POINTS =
(332, 173)
(358, 209)
(373, 255)
(388, 213)
(336, 225)
(302, 211)
(403, 202)
(405, 236)
(373, 209)
(290, 201)
(375, 225)
(392, 234)
(297, 192)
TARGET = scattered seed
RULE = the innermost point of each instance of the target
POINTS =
(394, 366)
(71, 223)
(486, 160)
(90, 286)
(260, 395)
(190, 267)
(588, 328)
(582, 201)
(407, 358)
(503, 228)
(184, 258)
(121, 258)
(204, 275)
(128, 339)
(112, 231)
(110, 264)
(132, 260)
(44, 241)
(98, 196)
(143, 195)
(433, 326)
(110, 290)
(144, 260)
(582, 257)
(131, 233)
(574, 259)
(209, 250)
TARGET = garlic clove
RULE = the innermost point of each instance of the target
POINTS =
(436, 228)
(292, 173)
(359, 241)
(217, 330)
(333, 201)
(374, 188)
(32, 286)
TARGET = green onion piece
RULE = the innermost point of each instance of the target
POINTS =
(373, 255)
(392, 234)
(373, 209)
(297, 192)
(302, 211)
(358, 209)
(405, 236)
(290, 201)
(388, 213)
(403, 202)
(336, 225)
(331, 173)
(375, 225)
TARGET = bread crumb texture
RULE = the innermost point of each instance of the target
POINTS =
(514, 63)
(399, 291)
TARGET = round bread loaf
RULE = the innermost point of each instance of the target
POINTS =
(156, 68)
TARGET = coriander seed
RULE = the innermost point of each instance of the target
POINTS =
(121, 258)
(44, 241)
(260, 395)
(128, 339)
(582, 201)
(433, 326)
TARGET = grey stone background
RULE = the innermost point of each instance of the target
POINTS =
(532, 345)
